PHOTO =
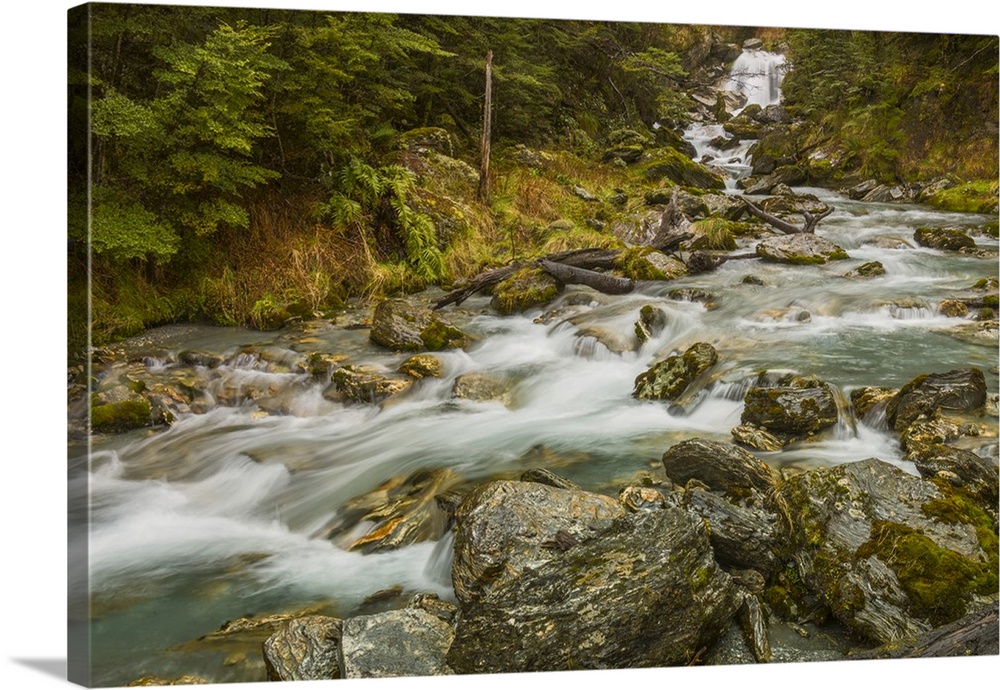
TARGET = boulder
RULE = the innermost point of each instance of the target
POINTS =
(756, 438)
(959, 467)
(891, 554)
(866, 398)
(670, 164)
(799, 249)
(652, 321)
(943, 238)
(406, 642)
(484, 386)
(505, 528)
(364, 385)
(959, 389)
(721, 467)
(789, 175)
(793, 410)
(526, 288)
(860, 191)
(422, 367)
(401, 326)
(646, 592)
(952, 308)
(670, 378)
(306, 648)
(870, 269)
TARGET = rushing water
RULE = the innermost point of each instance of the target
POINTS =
(220, 514)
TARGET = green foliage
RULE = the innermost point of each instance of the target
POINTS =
(124, 229)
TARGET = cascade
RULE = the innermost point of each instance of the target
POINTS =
(755, 78)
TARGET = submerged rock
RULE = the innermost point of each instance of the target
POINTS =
(959, 389)
(891, 554)
(645, 592)
(363, 385)
(484, 386)
(504, 528)
(799, 249)
(670, 378)
(868, 397)
(870, 269)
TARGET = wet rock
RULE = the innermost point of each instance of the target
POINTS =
(891, 554)
(397, 513)
(959, 389)
(799, 249)
(502, 528)
(120, 409)
(645, 592)
(964, 469)
(527, 288)
(549, 478)
(744, 532)
(306, 648)
(860, 191)
(871, 269)
(147, 681)
(670, 378)
(757, 438)
(198, 358)
(943, 238)
(791, 410)
(752, 280)
(652, 321)
(868, 397)
(982, 331)
(400, 326)
(407, 642)
(952, 308)
(888, 242)
(637, 498)
(722, 467)
(483, 386)
(363, 385)
(422, 367)
(884, 193)
(436, 606)
(787, 175)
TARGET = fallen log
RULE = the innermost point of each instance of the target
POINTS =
(602, 282)
(811, 219)
(480, 281)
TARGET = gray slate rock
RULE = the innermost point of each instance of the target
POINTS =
(790, 410)
(504, 528)
(864, 538)
(670, 378)
(722, 467)
(799, 249)
(407, 642)
(959, 389)
(306, 648)
(647, 592)
(743, 536)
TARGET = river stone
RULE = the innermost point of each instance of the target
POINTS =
(952, 308)
(891, 554)
(721, 467)
(407, 642)
(867, 398)
(790, 410)
(526, 288)
(363, 385)
(483, 386)
(156, 681)
(306, 648)
(422, 367)
(549, 478)
(799, 249)
(668, 379)
(742, 536)
(652, 321)
(757, 438)
(943, 238)
(959, 389)
(646, 592)
(504, 528)
(401, 326)
(963, 467)
(870, 269)
(397, 513)
(637, 498)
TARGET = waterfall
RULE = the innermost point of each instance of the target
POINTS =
(755, 77)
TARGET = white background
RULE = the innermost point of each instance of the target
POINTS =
(32, 248)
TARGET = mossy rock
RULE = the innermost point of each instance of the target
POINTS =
(943, 238)
(791, 411)
(122, 415)
(362, 385)
(971, 197)
(422, 367)
(802, 249)
(646, 263)
(673, 165)
(525, 289)
(404, 327)
(670, 378)
(871, 269)
(652, 320)
(432, 138)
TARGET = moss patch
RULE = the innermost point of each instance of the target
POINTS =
(971, 197)
(120, 416)
(528, 287)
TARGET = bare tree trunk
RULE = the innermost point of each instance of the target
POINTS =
(483, 193)
(809, 227)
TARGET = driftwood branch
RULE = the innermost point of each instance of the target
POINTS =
(602, 282)
(811, 219)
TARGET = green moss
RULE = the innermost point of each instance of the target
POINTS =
(673, 165)
(971, 197)
(991, 302)
(938, 582)
(992, 228)
(632, 263)
(440, 336)
(120, 416)
(528, 287)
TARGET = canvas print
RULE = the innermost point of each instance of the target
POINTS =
(404, 345)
